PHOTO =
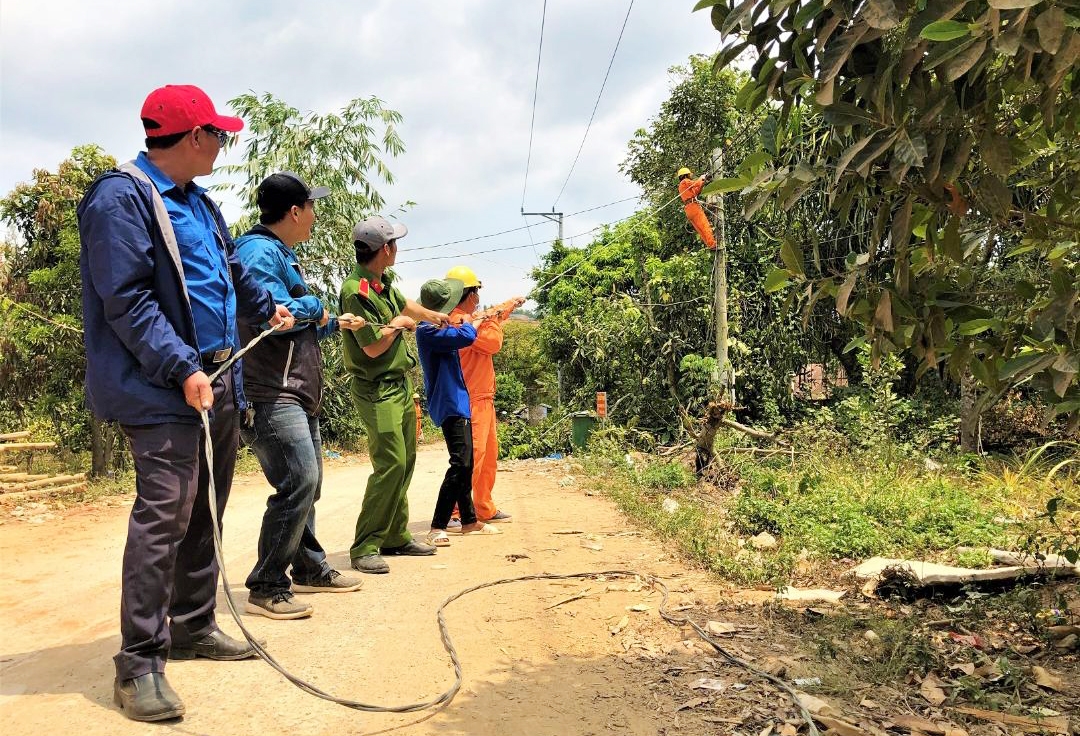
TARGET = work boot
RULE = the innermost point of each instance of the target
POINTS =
(215, 645)
(372, 564)
(332, 582)
(147, 698)
(413, 549)
(280, 606)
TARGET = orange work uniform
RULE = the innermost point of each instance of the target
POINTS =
(479, 371)
(689, 189)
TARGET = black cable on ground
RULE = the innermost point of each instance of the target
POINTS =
(448, 695)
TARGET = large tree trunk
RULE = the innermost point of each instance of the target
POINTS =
(703, 444)
(102, 448)
(848, 360)
(970, 411)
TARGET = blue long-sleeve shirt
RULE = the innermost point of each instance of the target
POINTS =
(443, 383)
(202, 251)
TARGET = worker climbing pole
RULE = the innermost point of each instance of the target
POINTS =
(689, 189)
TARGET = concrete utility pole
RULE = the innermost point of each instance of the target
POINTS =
(553, 216)
(720, 297)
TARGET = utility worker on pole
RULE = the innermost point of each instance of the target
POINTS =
(689, 189)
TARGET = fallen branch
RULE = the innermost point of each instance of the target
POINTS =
(47, 481)
(43, 492)
(583, 594)
(1055, 724)
(916, 573)
(21, 477)
(23, 446)
(755, 433)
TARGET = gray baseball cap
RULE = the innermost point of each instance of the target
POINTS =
(375, 232)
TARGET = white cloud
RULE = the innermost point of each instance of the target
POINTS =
(460, 72)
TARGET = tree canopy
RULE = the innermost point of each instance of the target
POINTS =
(941, 139)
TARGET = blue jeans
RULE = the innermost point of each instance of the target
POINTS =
(286, 442)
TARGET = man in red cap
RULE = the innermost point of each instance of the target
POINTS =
(162, 293)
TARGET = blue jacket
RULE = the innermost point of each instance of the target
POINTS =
(443, 383)
(286, 366)
(137, 324)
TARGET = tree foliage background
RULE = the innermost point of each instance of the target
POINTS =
(345, 151)
(940, 138)
(634, 313)
(42, 362)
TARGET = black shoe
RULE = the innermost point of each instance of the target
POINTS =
(147, 698)
(413, 548)
(215, 645)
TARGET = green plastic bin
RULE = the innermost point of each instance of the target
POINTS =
(582, 424)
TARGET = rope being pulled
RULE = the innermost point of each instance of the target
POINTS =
(444, 698)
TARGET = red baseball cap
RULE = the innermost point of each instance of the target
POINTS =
(178, 108)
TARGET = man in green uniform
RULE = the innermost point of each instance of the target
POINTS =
(378, 361)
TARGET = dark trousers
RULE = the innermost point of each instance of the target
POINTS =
(286, 440)
(170, 576)
(457, 484)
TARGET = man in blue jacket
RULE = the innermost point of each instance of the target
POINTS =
(162, 293)
(283, 379)
(448, 404)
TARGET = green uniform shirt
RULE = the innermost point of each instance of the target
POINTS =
(360, 296)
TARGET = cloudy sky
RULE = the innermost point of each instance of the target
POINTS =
(461, 72)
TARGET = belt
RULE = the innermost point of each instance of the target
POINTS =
(215, 357)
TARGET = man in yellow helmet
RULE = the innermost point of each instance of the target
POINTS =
(689, 189)
(478, 368)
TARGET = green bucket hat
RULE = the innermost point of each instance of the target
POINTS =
(442, 295)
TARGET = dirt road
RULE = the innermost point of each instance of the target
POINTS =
(534, 663)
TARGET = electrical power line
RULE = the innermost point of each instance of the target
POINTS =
(536, 88)
(595, 106)
(519, 229)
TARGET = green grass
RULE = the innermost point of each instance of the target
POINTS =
(827, 507)
(839, 510)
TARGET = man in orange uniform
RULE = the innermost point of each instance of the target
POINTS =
(479, 371)
(689, 189)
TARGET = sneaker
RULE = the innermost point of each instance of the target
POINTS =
(454, 524)
(372, 564)
(281, 606)
(332, 582)
(500, 517)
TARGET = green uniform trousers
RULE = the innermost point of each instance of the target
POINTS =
(386, 409)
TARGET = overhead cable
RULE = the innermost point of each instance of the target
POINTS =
(536, 88)
(595, 106)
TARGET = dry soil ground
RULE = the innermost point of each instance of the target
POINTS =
(534, 663)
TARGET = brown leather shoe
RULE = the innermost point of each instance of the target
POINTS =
(215, 645)
(148, 697)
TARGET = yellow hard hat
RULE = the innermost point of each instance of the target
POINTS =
(683, 171)
(464, 274)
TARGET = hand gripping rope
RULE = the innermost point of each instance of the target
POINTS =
(444, 698)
